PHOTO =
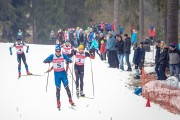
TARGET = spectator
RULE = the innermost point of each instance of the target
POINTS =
(120, 30)
(174, 60)
(134, 37)
(127, 50)
(112, 56)
(157, 57)
(138, 59)
(120, 50)
(163, 60)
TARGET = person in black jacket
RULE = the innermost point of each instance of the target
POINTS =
(138, 59)
(157, 56)
(163, 61)
(127, 50)
(120, 51)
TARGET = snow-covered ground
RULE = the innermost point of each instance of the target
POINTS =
(26, 98)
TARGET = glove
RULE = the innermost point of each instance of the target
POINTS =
(70, 61)
(46, 61)
(92, 56)
(90, 51)
(10, 50)
(27, 49)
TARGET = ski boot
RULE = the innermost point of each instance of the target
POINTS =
(82, 94)
(58, 104)
(71, 102)
(28, 73)
(19, 75)
(137, 77)
(77, 93)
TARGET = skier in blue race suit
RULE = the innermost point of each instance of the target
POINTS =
(57, 60)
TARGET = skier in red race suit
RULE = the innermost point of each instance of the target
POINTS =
(80, 56)
(57, 60)
(20, 55)
(67, 50)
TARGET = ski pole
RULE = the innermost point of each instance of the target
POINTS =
(47, 78)
(92, 77)
(72, 75)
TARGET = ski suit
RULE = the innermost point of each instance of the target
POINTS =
(20, 54)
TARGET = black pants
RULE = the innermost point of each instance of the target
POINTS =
(162, 69)
(79, 72)
(23, 57)
(58, 93)
(113, 59)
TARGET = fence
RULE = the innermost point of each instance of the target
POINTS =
(159, 92)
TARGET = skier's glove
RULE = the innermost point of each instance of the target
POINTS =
(70, 61)
(27, 49)
(10, 49)
(90, 51)
(46, 61)
(92, 56)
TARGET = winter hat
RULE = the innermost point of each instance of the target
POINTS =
(141, 42)
(172, 45)
(58, 48)
(81, 47)
(126, 35)
(102, 41)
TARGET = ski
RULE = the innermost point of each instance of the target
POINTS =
(72, 107)
(33, 75)
(86, 97)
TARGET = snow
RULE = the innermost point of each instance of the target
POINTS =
(26, 98)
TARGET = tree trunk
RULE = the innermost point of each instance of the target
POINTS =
(172, 20)
(116, 15)
(165, 28)
(141, 19)
(34, 23)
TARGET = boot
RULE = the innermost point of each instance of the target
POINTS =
(137, 77)
(71, 102)
(77, 93)
(19, 75)
(28, 73)
(58, 104)
(82, 94)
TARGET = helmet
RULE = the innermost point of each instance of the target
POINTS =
(58, 48)
(81, 47)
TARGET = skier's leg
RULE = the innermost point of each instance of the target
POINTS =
(77, 76)
(25, 64)
(81, 81)
(19, 64)
(58, 88)
(66, 86)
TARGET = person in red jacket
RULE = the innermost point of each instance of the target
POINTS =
(103, 50)
(80, 56)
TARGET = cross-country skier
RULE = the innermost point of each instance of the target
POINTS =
(20, 55)
(57, 60)
(80, 56)
(67, 50)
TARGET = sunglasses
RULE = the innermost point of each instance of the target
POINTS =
(58, 51)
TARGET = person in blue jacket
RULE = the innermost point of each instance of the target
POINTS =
(57, 60)
(95, 47)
